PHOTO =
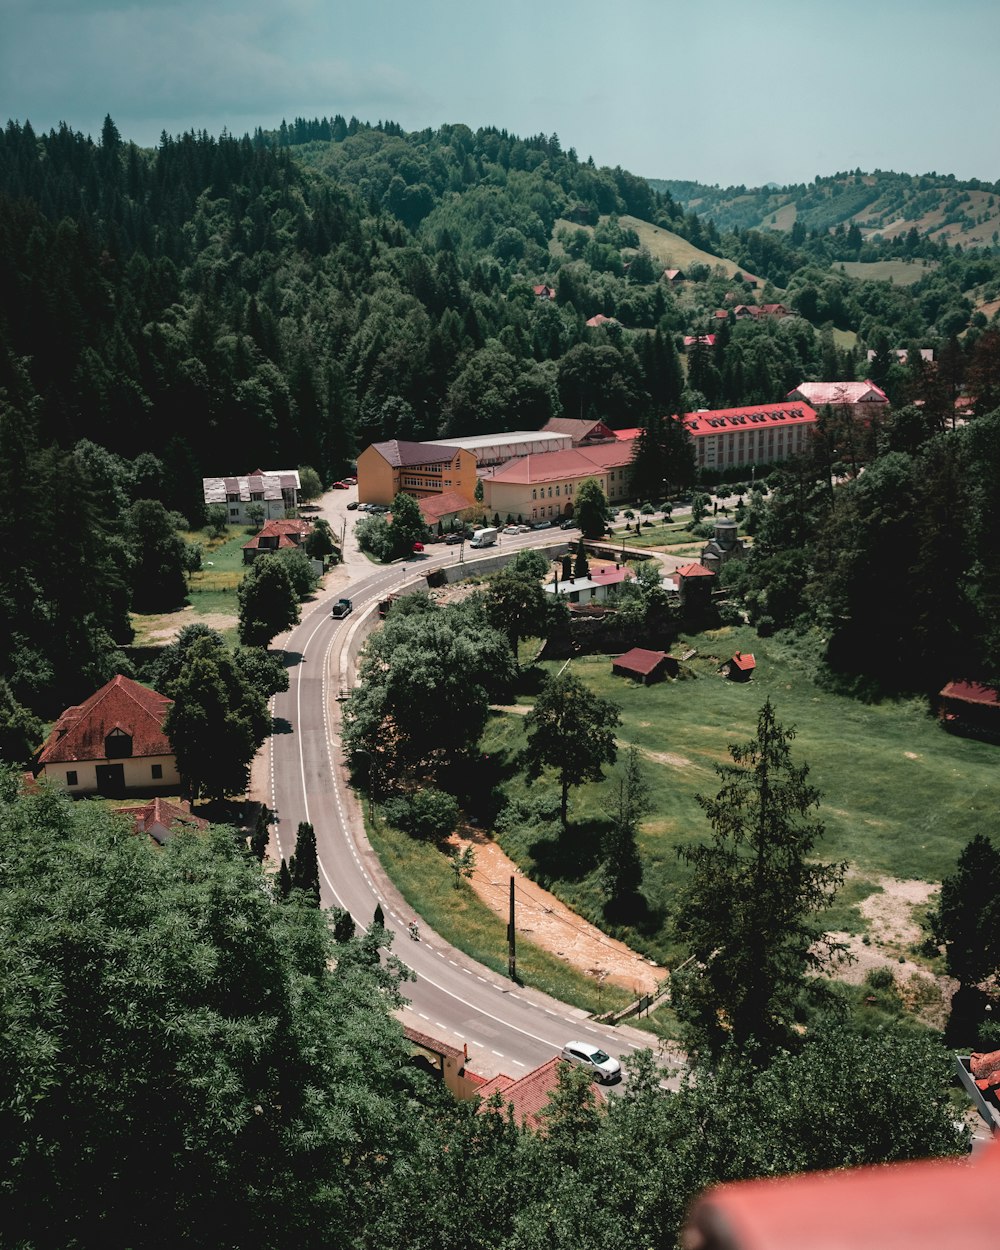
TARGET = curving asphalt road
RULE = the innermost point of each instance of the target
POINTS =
(505, 1027)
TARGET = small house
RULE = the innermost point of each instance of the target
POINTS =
(276, 535)
(969, 706)
(741, 666)
(645, 666)
(527, 1097)
(112, 744)
(673, 276)
(162, 819)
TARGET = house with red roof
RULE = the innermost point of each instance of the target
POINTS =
(969, 706)
(112, 744)
(160, 819)
(277, 535)
(581, 433)
(695, 584)
(861, 400)
(699, 340)
(741, 666)
(442, 509)
(599, 319)
(673, 276)
(725, 438)
(544, 291)
(645, 666)
(527, 1097)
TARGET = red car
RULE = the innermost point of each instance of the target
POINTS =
(339, 486)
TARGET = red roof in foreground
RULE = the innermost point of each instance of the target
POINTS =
(971, 692)
(694, 570)
(161, 819)
(80, 732)
(527, 1097)
(744, 661)
(641, 661)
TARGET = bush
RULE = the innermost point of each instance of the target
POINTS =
(880, 979)
(426, 814)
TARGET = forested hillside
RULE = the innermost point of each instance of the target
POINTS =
(218, 305)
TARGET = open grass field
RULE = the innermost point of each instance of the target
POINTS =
(899, 796)
(211, 591)
(901, 272)
(673, 251)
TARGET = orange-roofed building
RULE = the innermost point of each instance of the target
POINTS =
(645, 666)
(443, 508)
(278, 535)
(526, 1097)
(861, 399)
(741, 666)
(543, 487)
(112, 744)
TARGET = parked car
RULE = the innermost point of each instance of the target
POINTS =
(542, 525)
(350, 481)
(598, 1062)
(339, 486)
(352, 505)
(568, 524)
(524, 529)
(418, 549)
(511, 529)
(451, 539)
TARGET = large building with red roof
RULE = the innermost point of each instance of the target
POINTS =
(726, 438)
(543, 487)
(112, 744)
(419, 469)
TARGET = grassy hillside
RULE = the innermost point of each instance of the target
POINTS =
(672, 251)
(882, 204)
(901, 272)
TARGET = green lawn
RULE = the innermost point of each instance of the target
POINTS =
(899, 796)
(900, 272)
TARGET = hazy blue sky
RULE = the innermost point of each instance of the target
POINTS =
(721, 91)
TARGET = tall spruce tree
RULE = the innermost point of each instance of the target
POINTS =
(747, 916)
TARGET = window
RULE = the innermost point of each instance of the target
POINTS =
(534, 494)
(71, 778)
(157, 772)
(118, 745)
(557, 490)
(234, 512)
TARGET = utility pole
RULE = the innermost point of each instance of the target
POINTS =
(511, 953)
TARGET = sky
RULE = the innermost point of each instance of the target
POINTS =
(717, 91)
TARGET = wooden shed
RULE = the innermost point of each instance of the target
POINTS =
(741, 666)
(645, 666)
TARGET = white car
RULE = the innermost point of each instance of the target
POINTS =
(598, 1062)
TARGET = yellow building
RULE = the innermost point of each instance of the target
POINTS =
(113, 744)
(541, 488)
(419, 469)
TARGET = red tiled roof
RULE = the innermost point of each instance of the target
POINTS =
(544, 291)
(599, 319)
(762, 416)
(839, 393)
(401, 454)
(80, 733)
(694, 570)
(434, 507)
(640, 661)
(701, 340)
(574, 462)
(744, 661)
(628, 435)
(971, 692)
(160, 819)
(670, 274)
(495, 1085)
(529, 1096)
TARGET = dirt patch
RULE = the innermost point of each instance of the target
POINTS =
(546, 922)
(160, 630)
(892, 932)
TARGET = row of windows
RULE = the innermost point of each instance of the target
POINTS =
(73, 776)
(540, 493)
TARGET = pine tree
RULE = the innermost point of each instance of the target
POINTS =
(284, 881)
(747, 916)
(304, 867)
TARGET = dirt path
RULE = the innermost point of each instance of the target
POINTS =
(550, 924)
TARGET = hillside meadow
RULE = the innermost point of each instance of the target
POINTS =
(899, 796)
